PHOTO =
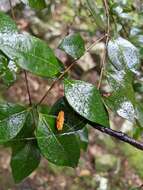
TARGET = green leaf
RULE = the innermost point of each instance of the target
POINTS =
(25, 159)
(26, 133)
(7, 25)
(120, 103)
(73, 44)
(43, 109)
(72, 119)
(36, 4)
(8, 77)
(122, 99)
(86, 100)
(7, 109)
(123, 54)
(59, 148)
(28, 129)
(25, 153)
(31, 54)
(7, 70)
(120, 79)
(12, 119)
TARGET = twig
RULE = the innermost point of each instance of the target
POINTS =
(102, 69)
(67, 69)
(12, 11)
(29, 96)
(27, 86)
(106, 43)
(119, 135)
(108, 16)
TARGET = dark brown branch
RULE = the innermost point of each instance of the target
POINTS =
(120, 136)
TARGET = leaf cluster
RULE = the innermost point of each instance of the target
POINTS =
(31, 131)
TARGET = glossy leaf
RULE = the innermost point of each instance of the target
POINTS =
(73, 45)
(12, 119)
(25, 153)
(26, 133)
(36, 4)
(123, 54)
(57, 147)
(119, 79)
(121, 104)
(31, 54)
(8, 77)
(43, 109)
(86, 100)
(7, 73)
(122, 99)
(28, 129)
(7, 109)
(25, 159)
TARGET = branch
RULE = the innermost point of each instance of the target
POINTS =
(106, 43)
(27, 86)
(120, 136)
